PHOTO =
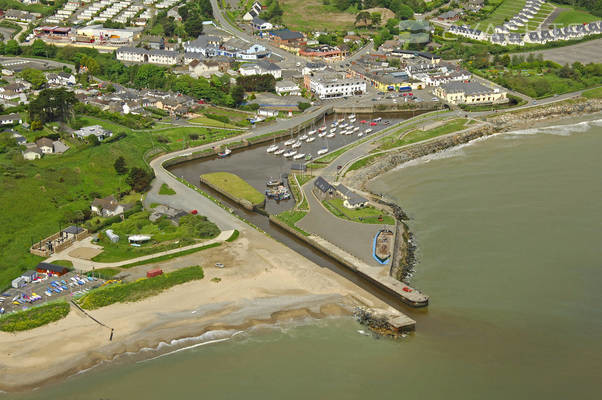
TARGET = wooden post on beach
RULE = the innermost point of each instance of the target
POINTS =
(111, 337)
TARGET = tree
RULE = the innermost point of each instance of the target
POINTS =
(34, 76)
(139, 179)
(12, 47)
(363, 18)
(393, 26)
(120, 165)
(193, 26)
(36, 125)
(376, 18)
(303, 106)
(93, 140)
(238, 94)
(404, 12)
(38, 48)
(52, 105)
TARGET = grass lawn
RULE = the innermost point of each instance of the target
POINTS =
(63, 263)
(171, 256)
(140, 289)
(291, 218)
(34, 317)
(363, 162)
(104, 273)
(166, 190)
(313, 15)
(37, 196)
(593, 93)
(419, 135)
(573, 16)
(164, 236)
(211, 122)
(508, 9)
(366, 215)
(235, 186)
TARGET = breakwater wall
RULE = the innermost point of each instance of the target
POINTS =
(403, 292)
(385, 109)
(506, 122)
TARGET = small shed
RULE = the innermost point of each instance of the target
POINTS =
(154, 272)
(29, 276)
(138, 239)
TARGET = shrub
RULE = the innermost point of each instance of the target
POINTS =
(34, 317)
(138, 290)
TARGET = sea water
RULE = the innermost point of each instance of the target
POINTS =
(509, 231)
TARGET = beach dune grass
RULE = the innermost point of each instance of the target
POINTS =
(34, 317)
(235, 186)
(140, 289)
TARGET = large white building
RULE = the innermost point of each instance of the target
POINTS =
(139, 55)
(470, 93)
(326, 87)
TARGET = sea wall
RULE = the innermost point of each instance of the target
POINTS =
(390, 285)
(506, 122)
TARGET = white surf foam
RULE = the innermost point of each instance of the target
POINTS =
(558, 130)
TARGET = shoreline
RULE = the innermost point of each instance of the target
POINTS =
(264, 283)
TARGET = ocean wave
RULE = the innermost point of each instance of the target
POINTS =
(206, 338)
(558, 130)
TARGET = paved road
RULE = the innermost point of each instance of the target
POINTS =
(354, 237)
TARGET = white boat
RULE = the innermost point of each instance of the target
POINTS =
(357, 128)
(352, 121)
(334, 124)
(349, 132)
(341, 120)
(323, 151)
(377, 119)
(333, 130)
(367, 131)
(322, 134)
(330, 135)
(289, 142)
(343, 125)
(296, 145)
(225, 153)
(278, 152)
(290, 153)
(351, 116)
(322, 129)
(272, 148)
(312, 132)
(303, 137)
(299, 156)
(311, 139)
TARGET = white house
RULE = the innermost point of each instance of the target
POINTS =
(261, 67)
(95, 130)
(204, 68)
(351, 199)
(287, 88)
(261, 25)
(61, 79)
(107, 207)
(45, 145)
(139, 55)
(32, 153)
(253, 12)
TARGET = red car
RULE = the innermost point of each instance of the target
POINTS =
(405, 94)
(410, 94)
(373, 124)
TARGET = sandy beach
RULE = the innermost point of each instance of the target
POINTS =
(263, 282)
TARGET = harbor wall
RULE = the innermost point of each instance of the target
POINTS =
(389, 286)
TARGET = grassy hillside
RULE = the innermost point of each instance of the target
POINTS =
(37, 197)
(313, 15)
(572, 16)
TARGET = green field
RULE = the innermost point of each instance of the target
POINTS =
(418, 135)
(291, 218)
(39, 197)
(211, 122)
(593, 93)
(235, 186)
(140, 289)
(574, 17)
(508, 9)
(34, 317)
(312, 15)
(164, 236)
(366, 215)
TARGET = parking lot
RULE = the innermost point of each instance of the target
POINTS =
(47, 289)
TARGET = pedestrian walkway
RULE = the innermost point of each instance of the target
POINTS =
(88, 265)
